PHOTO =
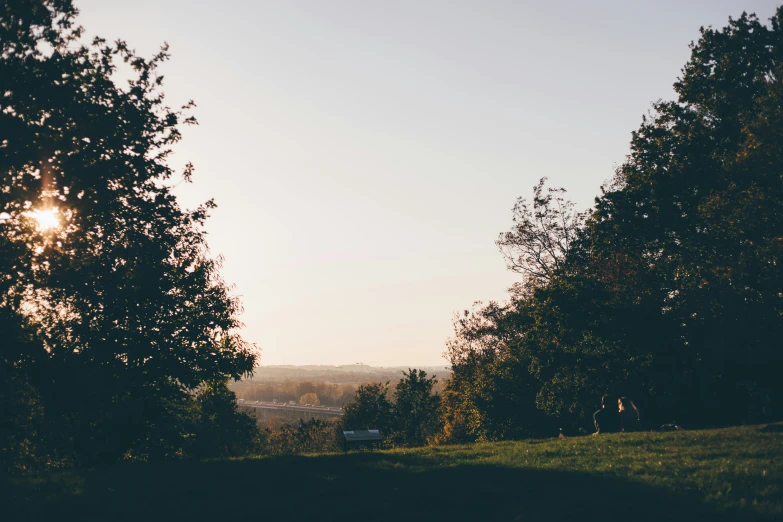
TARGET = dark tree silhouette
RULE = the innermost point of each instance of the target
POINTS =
(370, 410)
(117, 312)
(537, 245)
(415, 408)
(670, 291)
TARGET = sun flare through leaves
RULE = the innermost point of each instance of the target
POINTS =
(46, 220)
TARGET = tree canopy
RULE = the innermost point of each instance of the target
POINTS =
(410, 418)
(669, 289)
(114, 309)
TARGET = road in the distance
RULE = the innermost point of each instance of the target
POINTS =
(321, 410)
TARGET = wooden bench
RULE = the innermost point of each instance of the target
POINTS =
(362, 438)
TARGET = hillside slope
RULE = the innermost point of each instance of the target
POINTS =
(732, 473)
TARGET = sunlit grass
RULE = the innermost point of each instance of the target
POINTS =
(728, 474)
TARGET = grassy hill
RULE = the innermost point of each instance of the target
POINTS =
(728, 474)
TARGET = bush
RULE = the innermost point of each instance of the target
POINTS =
(313, 436)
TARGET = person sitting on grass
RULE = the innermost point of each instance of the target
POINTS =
(607, 419)
(629, 415)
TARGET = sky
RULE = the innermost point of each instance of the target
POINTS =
(365, 155)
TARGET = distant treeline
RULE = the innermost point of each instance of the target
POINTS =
(326, 394)
(347, 374)
(319, 393)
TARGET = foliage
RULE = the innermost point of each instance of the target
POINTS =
(313, 436)
(23, 427)
(370, 410)
(329, 394)
(409, 418)
(220, 428)
(542, 236)
(695, 215)
(309, 398)
(669, 289)
(415, 409)
(119, 310)
(491, 394)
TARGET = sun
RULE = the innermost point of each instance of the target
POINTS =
(46, 219)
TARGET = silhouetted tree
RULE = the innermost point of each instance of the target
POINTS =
(537, 245)
(491, 393)
(370, 410)
(220, 428)
(121, 310)
(669, 290)
(415, 409)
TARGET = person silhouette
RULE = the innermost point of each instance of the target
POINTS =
(629, 415)
(607, 419)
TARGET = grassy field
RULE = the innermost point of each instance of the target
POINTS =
(728, 474)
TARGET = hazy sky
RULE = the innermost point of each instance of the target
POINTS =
(365, 154)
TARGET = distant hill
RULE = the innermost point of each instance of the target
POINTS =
(341, 374)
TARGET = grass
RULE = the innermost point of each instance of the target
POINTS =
(727, 474)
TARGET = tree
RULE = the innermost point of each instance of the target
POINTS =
(410, 420)
(309, 398)
(220, 429)
(669, 290)
(415, 408)
(538, 243)
(370, 410)
(491, 393)
(119, 308)
(697, 208)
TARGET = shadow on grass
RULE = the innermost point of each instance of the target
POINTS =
(371, 487)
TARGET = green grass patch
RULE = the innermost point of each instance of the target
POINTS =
(729, 474)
